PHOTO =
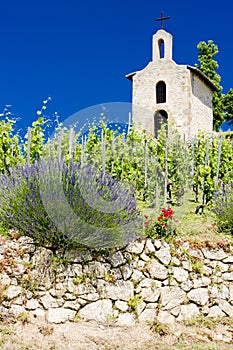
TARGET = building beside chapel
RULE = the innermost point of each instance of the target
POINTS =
(164, 92)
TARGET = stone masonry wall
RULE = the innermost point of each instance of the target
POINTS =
(147, 280)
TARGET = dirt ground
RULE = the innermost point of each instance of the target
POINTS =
(82, 335)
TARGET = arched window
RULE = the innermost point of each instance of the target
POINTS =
(160, 92)
(161, 48)
(160, 119)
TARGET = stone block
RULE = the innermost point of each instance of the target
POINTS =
(150, 294)
(215, 311)
(122, 290)
(157, 270)
(48, 301)
(99, 311)
(13, 292)
(188, 311)
(135, 247)
(148, 315)
(180, 274)
(60, 315)
(165, 317)
(200, 296)
(172, 297)
(164, 255)
(149, 247)
(121, 305)
(32, 304)
(214, 254)
(227, 276)
(116, 259)
(226, 307)
(126, 271)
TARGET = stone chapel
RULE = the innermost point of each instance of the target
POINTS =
(179, 96)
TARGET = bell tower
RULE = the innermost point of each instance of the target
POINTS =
(162, 45)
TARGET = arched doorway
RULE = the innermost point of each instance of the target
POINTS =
(160, 118)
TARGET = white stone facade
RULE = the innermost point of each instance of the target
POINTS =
(188, 93)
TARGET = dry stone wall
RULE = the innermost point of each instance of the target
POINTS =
(147, 280)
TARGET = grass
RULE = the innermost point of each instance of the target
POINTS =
(196, 228)
(209, 322)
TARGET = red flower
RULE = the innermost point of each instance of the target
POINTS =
(160, 218)
(147, 223)
(168, 213)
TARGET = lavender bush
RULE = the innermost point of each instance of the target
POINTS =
(223, 208)
(22, 207)
(62, 205)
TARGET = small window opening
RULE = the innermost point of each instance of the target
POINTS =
(161, 48)
(161, 92)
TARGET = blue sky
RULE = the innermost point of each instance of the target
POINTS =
(78, 52)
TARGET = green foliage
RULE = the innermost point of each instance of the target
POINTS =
(35, 140)
(10, 149)
(34, 144)
(228, 105)
(207, 173)
(179, 168)
(218, 109)
(208, 65)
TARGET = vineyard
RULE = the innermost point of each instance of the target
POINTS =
(156, 172)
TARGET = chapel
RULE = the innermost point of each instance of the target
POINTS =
(164, 92)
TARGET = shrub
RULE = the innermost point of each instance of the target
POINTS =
(62, 205)
(223, 208)
(162, 226)
(22, 207)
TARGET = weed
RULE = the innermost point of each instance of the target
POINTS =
(169, 277)
(135, 282)
(134, 302)
(185, 252)
(77, 318)
(29, 284)
(109, 277)
(80, 279)
(23, 317)
(197, 265)
(160, 328)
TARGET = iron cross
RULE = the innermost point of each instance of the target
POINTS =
(162, 19)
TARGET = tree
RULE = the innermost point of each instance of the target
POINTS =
(228, 105)
(208, 65)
